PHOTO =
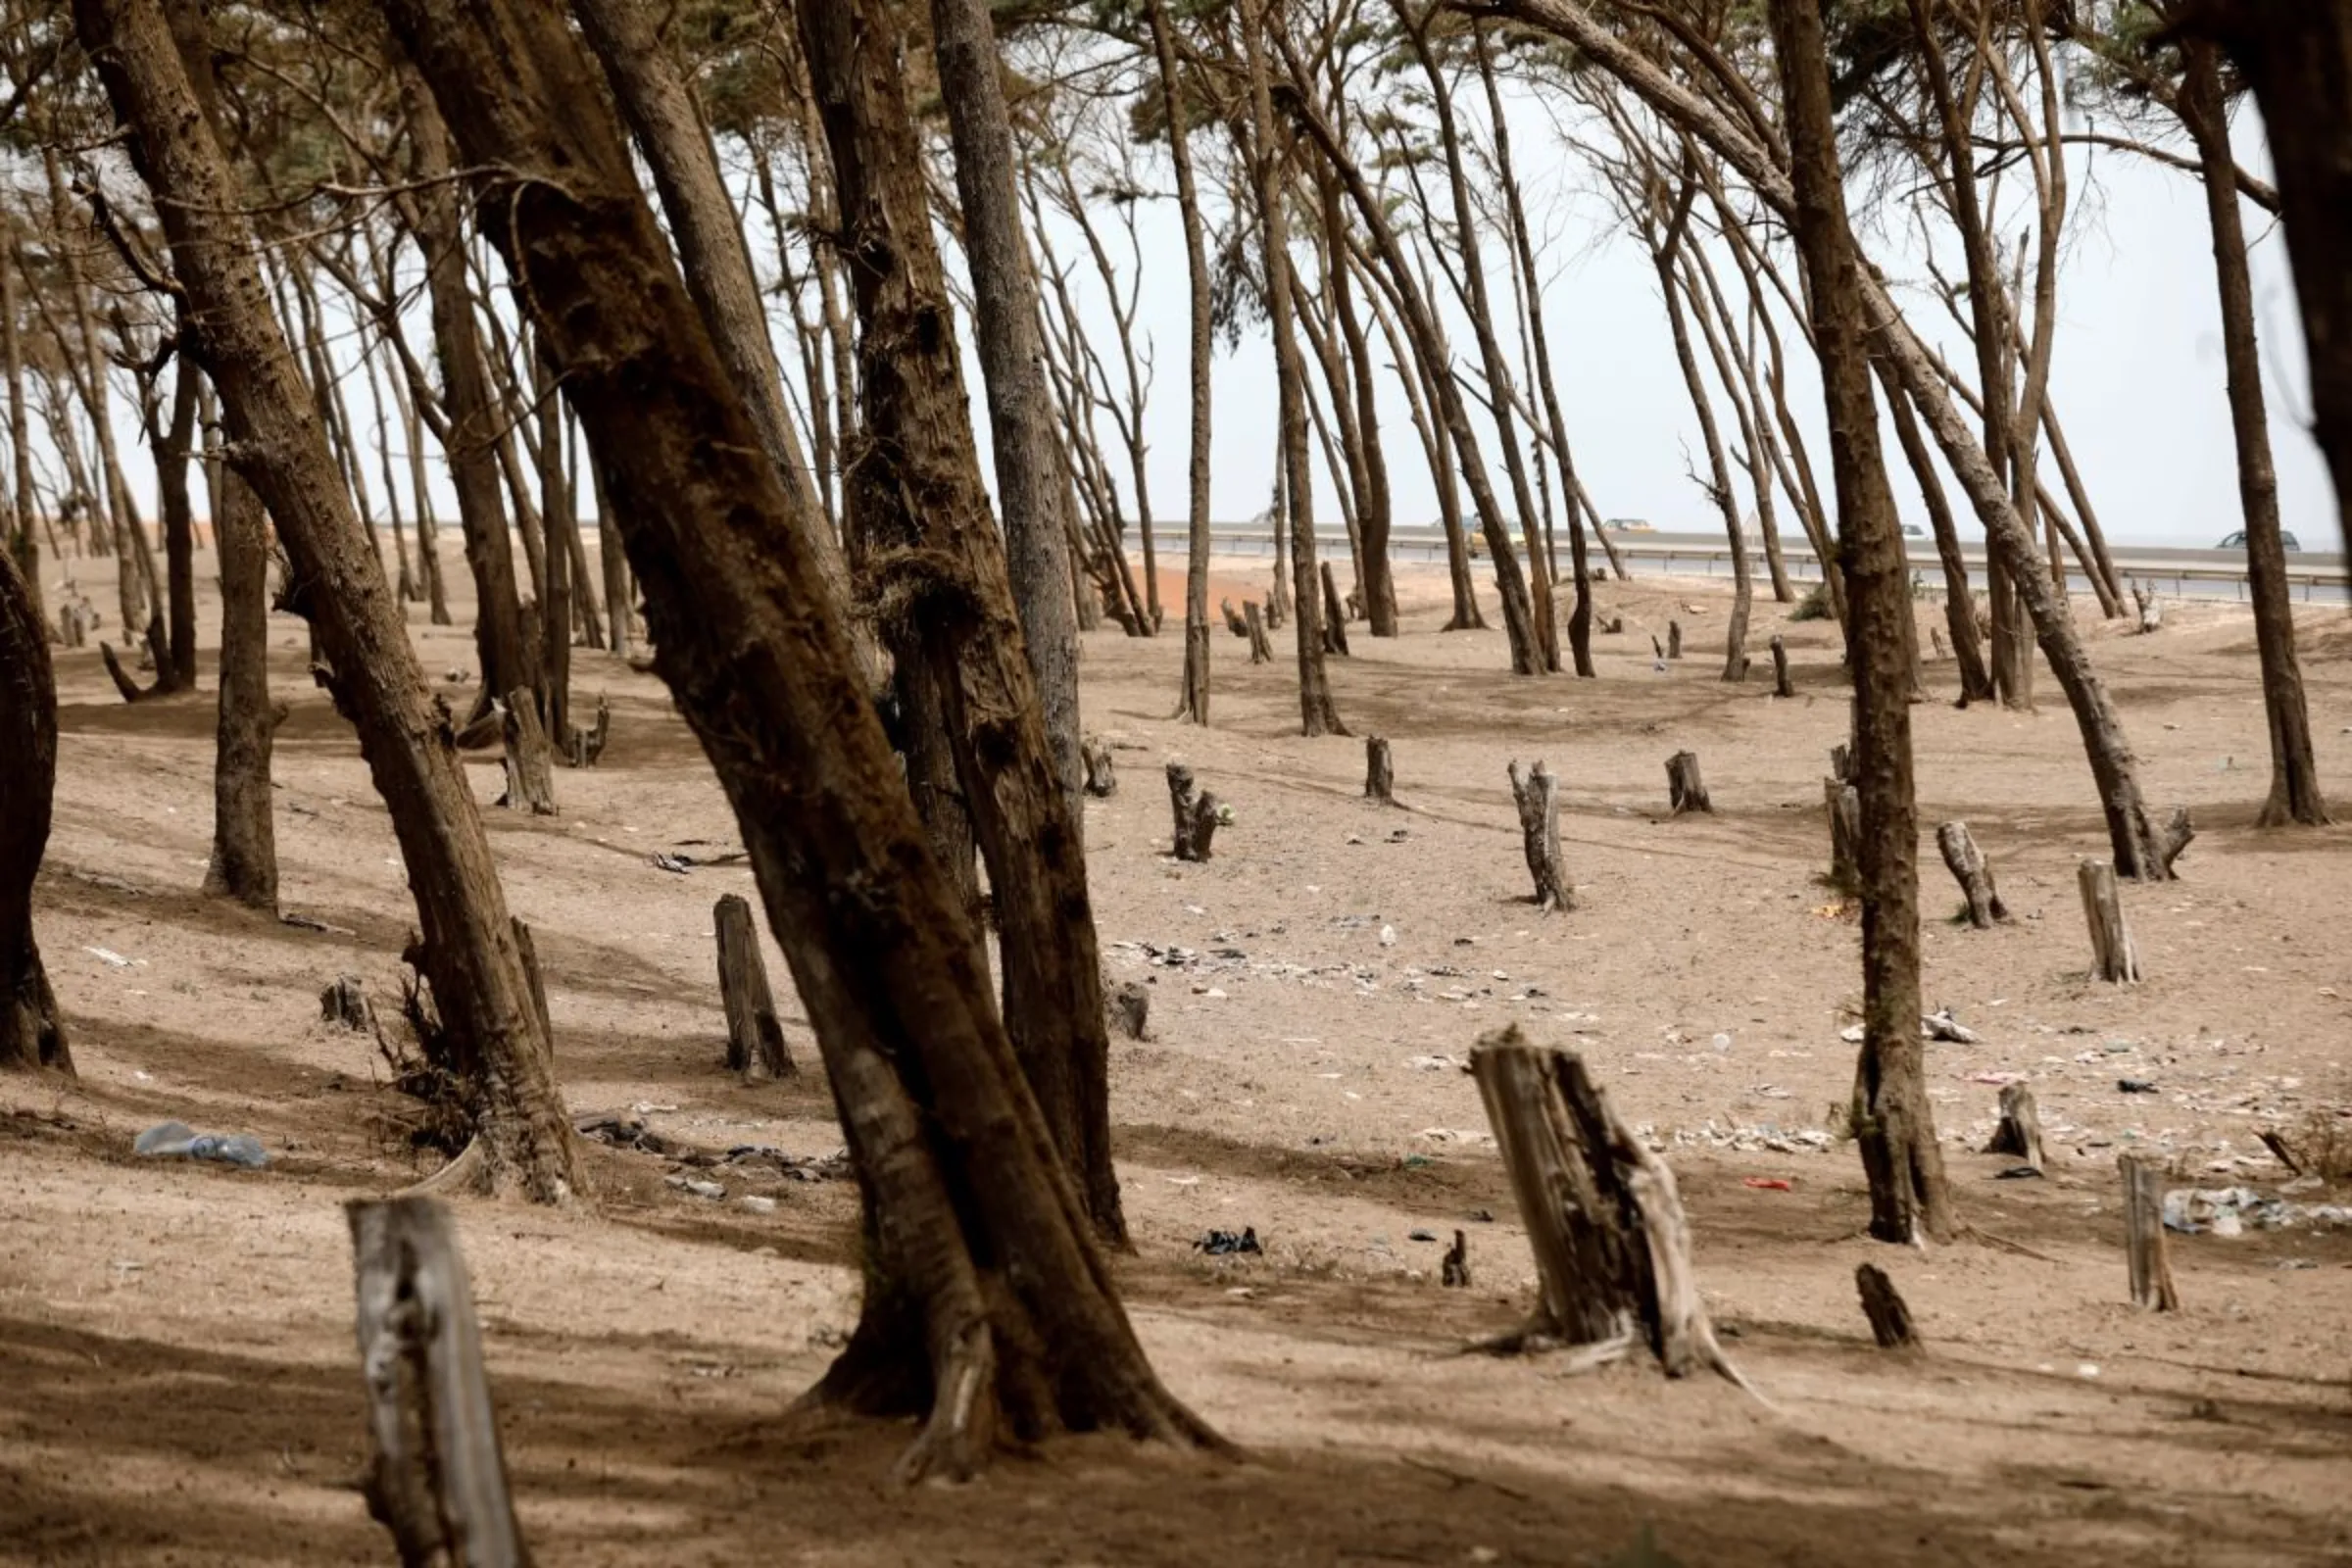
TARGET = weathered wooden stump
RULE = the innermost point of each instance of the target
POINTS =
(1537, 793)
(1935, 640)
(1196, 813)
(1603, 1214)
(436, 1478)
(1455, 1273)
(755, 1035)
(1379, 777)
(1889, 1318)
(1780, 669)
(1609, 625)
(345, 1003)
(2151, 609)
(2113, 957)
(529, 951)
(1845, 803)
(1261, 647)
(1841, 763)
(530, 775)
(1273, 613)
(585, 747)
(1102, 778)
(1129, 1007)
(1657, 648)
(2150, 1269)
(1233, 618)
(1686, 791)
(2178, 830)
(74, 625)
(2020, 1131)
(1674, 639)
(1335, 616)
(1967, 865)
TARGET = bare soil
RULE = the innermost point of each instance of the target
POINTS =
(177, 1379)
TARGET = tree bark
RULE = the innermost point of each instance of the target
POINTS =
(24, 501)
(1893, 1122)
(1202, 360)
(172, 450)
(32, 1032)
(244, 860)
(469, 949)
(2114, 957)
(554, 581)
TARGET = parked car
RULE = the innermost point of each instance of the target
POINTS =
(1628, 525)
(1912, 531)
(2237, 541)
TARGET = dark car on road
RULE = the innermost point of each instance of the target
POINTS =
(2237, 541)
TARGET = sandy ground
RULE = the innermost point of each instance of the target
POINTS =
(177, 1382)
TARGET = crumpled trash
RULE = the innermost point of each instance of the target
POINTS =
(1222, 1243)
(1768, 1184)
(177, 1140)
(2224, 1211)
(2135, 1085)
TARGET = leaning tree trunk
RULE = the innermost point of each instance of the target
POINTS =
(988, 1304)
(1202, 359)
(172, 455)
(1959, 602)
(2294, 771)
(244, 861)
(1893, 1122)
(470, 954)
(32, 1032)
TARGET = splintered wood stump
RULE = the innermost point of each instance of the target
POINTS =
(1273, 613)
(1944, 651)
(1335, 616)
(345, 1003)
(586, 746)
(2113, 958)
(1233, 618)
(1841, 764)
(530, 775)
(2143, 1236)
(1780, 669)
(2178, 831)
(1261, 647)
(74, 626)
(1196, 813)
(436, 1478)
(1130, 1010)
(2151, 609)
(1674, 639)
(1686, 791)
(1379, 777)
(1844, 804)
(529, 951)
(1968, 869)
(1603, 1214)
(1102, 778)
(1610, 625)
(2020, 1131)
(1538, 794)
(1889, 1318)
(755, 1037)
(1455, 1275)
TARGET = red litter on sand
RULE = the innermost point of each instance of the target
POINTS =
(1769, 1183)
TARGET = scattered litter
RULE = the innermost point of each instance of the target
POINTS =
(1941, 1025)
(2135, 1085)
(1998, 1080)
(756, 1203)
(306, 923)
(697, 1187)
(1437, 1064)
(1387, 936)
(1720, 1043)
(671, 862)
(177, 1140)
(1182, 1181)
(1767, 1184)
(1223, 1244)
(1455, 1135)
(1421, 1236)
(110, 957)
(2018, 1173)
(2229, 1212)
(2087, 1369)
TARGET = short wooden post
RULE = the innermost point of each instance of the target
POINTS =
(2151, 609)
(1536, 793)
(1845, 803)
(1780, 669)
(1889, 1318)
(586, 746)
(1273, 613)
(1102, 778)
(2113, 956)
(345, 1003)
(755, 1035)
(1130, 1010)
(1967, 865)
(1454, 1274)
(1335, 616)
(1261, 647)
(2020, 1131)
(1674, 639)
(530, 778)
(1233, 618)
(529, 951)
(2143, 1236)
(1379, 777)
(1196, 814)
(436, 1478)
(1602, 1213)
(1943, 650)
(1609, 625)
(1686, 791)
(1841, 763)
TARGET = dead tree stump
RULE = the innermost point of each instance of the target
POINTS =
(1537, 793)
(1686, 791)
(1130, 1010)
(1844, 804)
(1196, 813)
(2151, 609)
(2113, 958)
(1102, 778)
(1379, 777)
(1233, 618)
(1603, 1214)
(529, 951)
(585, 747)
(1674, 639)
(1889, 1318)
(530, 775)
(1261, 647)
(1273, 613)
(1335, 616)
(1841, 764)
(345, 1003)
(1780, 669)
(1943, 652)
(1968, 869)
(2020, 1131)
(1657, 648)
(436, 1478)
(755, 1037)
(1454, 1274)
(1610, 625)
(2143, 1236)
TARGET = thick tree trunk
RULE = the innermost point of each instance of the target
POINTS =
(470, 949)
(2294, 772)
(20, 433)
(988, 1304)
(1894, 1125)
(1202, 360)
(244, 860)
(32, 1032)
